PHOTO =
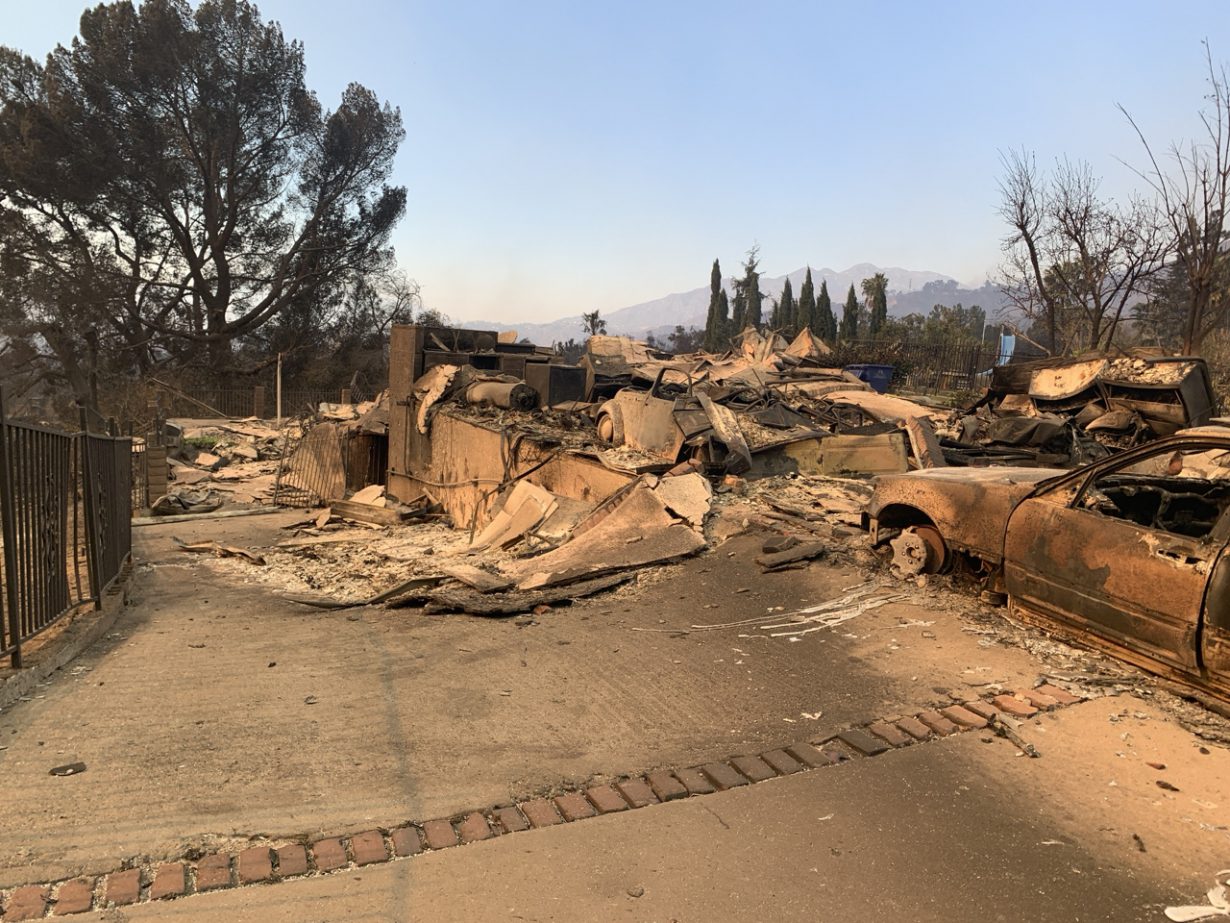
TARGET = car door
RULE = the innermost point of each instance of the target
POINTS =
(1073, 555)
(1215, 629)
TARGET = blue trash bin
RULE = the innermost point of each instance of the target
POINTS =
(878, 376)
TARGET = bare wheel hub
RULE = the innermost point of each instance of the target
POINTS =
(918, 550)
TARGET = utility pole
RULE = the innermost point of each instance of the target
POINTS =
(278, 389)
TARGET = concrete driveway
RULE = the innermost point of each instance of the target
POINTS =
(217, 715)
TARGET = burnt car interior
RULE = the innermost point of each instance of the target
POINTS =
(1182, 506)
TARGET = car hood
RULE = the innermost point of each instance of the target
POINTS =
(997, 475)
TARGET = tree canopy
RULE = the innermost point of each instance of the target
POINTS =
(826, 320)
(169, 187)
(592, 324)
(749, 295)
(717, 321)
(875, 292)
(805, 312)
(849, 317)
(786, 310)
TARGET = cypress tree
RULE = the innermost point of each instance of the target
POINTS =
(849, 317)
(722, 326)
(826, 320)
(740, 315)
(712, 329)
(805, 312)
(786, 312)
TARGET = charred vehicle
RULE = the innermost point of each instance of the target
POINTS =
(1129, 553)
(1062, 413)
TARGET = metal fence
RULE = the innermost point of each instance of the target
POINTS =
(928, 368)
(108, 496)
(313, 467)
(140, 474)
(65, 520)
(254, 401)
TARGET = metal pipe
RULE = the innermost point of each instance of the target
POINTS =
(509, 395)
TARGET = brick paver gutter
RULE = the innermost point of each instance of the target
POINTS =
(133, 883)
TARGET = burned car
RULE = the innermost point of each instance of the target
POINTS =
(1061, 413)
(1128, 553)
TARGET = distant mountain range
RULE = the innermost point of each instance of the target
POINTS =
(909, 291)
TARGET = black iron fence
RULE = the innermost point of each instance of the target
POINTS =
(140, 474)
(108, 495)
(254, 401)
(925, 367)
(65, 523)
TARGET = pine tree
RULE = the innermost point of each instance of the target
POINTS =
(826, 320)
(752, 295)
(738, 321)
(875, 291)
(805, 311)
(786, 312)
(849, 317)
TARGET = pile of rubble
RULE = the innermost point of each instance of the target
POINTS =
(251, 462)
(213, 463)
(771, 407)
(1066, 412)
(654, 459)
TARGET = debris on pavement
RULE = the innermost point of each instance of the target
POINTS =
(1218, 906)
(790, 558)
(828, 614)
(1006, 727)
(518, 601)
(632, 529)
(402, 589)
(182, 501)
(220, 550)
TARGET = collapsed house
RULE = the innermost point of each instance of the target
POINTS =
(462, 427)
(551, 475)
(555, 480)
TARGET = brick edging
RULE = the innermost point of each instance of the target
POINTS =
(131, 883)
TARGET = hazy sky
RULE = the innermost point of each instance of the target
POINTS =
(565, 156)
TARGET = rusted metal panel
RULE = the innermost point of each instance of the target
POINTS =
(726, 426)
(1103, 575)
(649, 424)
(970, 506)
(316, 466)
(1059, 382)
(924, 443)
(1215, 634)
(844, 455)
(469, 462)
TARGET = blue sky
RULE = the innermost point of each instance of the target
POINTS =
(565, 156)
